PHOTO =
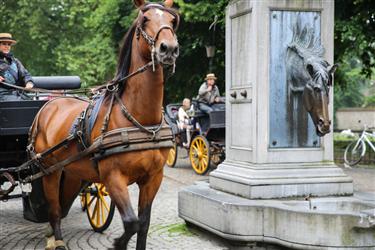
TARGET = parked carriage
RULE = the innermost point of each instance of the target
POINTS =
(207, 143)
(17, 113)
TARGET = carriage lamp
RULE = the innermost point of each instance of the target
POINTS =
(210, 50)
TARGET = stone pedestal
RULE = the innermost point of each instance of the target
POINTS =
(278, 183)
(267, 181)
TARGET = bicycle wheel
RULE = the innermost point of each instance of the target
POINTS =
(354, 152)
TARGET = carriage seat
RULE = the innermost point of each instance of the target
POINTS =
(57, 82)
(171, 116)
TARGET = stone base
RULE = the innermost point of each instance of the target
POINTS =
(279, 181)
(318, 223)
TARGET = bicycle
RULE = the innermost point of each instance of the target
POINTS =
(355, 151)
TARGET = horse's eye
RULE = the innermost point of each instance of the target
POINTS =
(145, 20)
(174, 23)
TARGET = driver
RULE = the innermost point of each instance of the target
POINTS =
(11, 69)
(208, 93)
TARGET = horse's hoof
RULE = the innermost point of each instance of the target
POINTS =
(60, 248)
(50, 243)
(60, 245)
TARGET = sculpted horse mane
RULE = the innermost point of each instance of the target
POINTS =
(127, 142)
(305, 57)
(309, 78)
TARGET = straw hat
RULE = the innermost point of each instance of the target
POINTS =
(210, 76)
(7, 37)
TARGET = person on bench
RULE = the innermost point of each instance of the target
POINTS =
(185, 121)
(11, 69)
(208, 94)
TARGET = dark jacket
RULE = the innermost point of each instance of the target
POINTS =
(13, 71)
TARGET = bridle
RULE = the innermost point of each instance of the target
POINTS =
(151, 41)
(112, 87)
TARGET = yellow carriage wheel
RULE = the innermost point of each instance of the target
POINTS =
(199, 154)
(172, 156)
(99, 207)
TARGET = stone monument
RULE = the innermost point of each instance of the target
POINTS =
(278, 183)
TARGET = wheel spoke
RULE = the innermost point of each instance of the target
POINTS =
(94, 212)
(98, 213)
(104, 201)
(91, 200)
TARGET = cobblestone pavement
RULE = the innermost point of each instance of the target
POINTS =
(167, 230)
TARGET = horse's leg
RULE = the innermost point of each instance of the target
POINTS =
(147, 192)
(118, 190)
(71, 186)
(51, 186)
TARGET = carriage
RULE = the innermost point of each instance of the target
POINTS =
(17, 112)
(207, 144)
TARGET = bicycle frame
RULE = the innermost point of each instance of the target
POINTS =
(364, 137)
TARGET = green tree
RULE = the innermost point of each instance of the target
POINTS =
(355, 35)
(193, 36)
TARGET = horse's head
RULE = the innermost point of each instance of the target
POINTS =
(316, 95)
(156, 26)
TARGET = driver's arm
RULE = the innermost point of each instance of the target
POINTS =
(203, 90)
(25, 75)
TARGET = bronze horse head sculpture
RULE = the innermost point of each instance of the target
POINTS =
(310, 75)
(128, 103)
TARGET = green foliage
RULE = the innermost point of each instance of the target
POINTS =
(355, 33)
(349, 94)
(82, 37)
(76, 37)
(370, 101)
(193, 36)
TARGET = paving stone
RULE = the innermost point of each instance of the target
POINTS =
(167, 231)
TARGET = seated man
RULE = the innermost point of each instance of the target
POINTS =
(11, 69)
(208, 93)
(184, 121)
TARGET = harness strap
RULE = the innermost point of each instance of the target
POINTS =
(107, 115)
(116, 141)
(127, 114)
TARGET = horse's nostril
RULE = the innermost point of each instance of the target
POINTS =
(321, 121)
(176, 51)
(316, 89)
(330, 122)
(163, 47)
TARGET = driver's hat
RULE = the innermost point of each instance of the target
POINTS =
(7, 37)
(210, 76)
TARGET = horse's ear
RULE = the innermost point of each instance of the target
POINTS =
(168, 3)
(139, 3)
(310, 69)
(333, 68)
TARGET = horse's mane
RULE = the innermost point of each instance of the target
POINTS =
(124, 59)
(309, 48)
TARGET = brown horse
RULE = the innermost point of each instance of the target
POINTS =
(151, 38)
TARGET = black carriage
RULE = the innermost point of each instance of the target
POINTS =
(207, 144)
(17, 112)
